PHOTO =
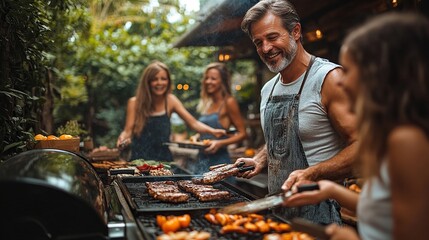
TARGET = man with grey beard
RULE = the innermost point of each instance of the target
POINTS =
(308, 130)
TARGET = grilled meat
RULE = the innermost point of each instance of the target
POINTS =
(212, 196)
(204, 193)
(189, 186)
(169, 191)
(174, 197)
(216, 175)
(211, 168)
(160, 190)
(166, 191)
(221, 167)
(160, 183)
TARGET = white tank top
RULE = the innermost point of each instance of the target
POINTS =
(319, 139)
(374, 209)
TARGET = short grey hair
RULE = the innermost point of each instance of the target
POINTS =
(282, 8)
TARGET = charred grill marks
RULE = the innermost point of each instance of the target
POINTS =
(169, 191)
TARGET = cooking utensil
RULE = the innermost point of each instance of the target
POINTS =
(315, 230)
(122, 171)
(265, 203)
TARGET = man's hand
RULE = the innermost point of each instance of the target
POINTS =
(297, 177)
(310, 197)
(250, 162)
(341, 233)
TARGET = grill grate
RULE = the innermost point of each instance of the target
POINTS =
(141, 201)
(198, 222)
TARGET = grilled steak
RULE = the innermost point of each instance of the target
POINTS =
(166, 191)
(221, 167)
(174, 197)
(216, 176)
(212, 196)
(191, 187)
(169, 191)
(204, 193)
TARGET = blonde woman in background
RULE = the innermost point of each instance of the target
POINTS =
(218, 109)
(147, 124)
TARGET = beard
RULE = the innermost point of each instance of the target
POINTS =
(276, 67)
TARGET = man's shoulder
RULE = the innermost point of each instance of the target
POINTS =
(325, 69)
(269, 84)
(323, 63)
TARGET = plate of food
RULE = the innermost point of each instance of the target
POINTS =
(200, 144)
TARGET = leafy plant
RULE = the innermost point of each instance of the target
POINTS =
(179, 128)
(25, 40)
(73, 128)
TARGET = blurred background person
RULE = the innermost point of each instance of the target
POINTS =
(386, 75)
(219, 109)
(147, 124)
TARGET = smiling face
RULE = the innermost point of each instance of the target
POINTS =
(350, 79)
(159, 84)
(212, 81)
(275, 46)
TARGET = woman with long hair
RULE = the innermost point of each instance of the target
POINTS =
(218, 109)
(386, 75)
(147, 124)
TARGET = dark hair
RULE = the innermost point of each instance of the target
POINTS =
(392, 54)
(282, 8)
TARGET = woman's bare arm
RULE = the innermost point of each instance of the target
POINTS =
(408, 155)
(126, 134)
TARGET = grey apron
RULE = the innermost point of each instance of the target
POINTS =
(286, 153)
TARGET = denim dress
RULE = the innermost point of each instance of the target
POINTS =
(149, 145)
(221, 156)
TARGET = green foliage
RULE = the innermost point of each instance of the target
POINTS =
(25, 38)
(179, 128)
(111, 57)
(72, 128)
(93, 53)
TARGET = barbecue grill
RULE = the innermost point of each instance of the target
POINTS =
(145, 208)
(56, 194)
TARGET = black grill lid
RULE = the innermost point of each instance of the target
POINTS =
(49, 193)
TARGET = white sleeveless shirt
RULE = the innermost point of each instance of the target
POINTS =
(319, 139)
(374, 209)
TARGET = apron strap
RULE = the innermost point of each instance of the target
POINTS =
(272, 89)
(166, 107)
(305, 76)
(302, 84)
(221, 105)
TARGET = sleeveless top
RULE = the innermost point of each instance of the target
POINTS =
(149, 145)
(222, 155)
(374, 209)
(319, 139)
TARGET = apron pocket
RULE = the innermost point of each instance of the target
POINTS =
(279, 133)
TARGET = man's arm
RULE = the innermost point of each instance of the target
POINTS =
(338, 108)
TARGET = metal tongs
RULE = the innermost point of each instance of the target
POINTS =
(265, 203)
(219, 172)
